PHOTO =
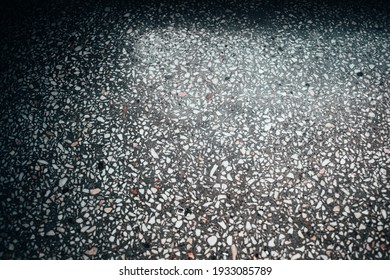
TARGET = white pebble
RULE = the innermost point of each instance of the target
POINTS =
(62, 182)
(357, 215)
(234, 252)
(290, 175)
(178, 224)
(84, 229)
(384, 214)
(212, 240)
(267, 127)
(213, 170)
(50, 233)
(229, 240)
(154, 154)
(296, 256)
(329, 125)
(222, 224)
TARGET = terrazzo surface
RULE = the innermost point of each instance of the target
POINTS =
(186, 130)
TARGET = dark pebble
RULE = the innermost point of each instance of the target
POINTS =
(100, 165)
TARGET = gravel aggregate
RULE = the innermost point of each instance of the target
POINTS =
(195, 130)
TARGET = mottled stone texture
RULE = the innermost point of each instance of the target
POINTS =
(188, 130)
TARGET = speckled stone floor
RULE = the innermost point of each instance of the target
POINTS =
(186, 130)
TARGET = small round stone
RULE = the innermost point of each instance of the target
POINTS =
(212, 240)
